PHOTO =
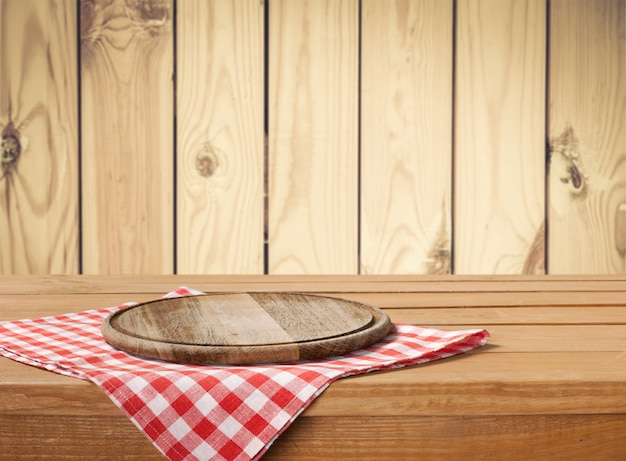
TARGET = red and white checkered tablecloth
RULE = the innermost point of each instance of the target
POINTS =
(202, 412)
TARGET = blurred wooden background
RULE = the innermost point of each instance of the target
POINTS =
(313, 136)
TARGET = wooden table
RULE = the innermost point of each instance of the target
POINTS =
(551, 384)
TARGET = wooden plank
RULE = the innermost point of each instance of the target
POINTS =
(72, 437)
(523, 438)
(495, 299)
(127, 136)
(577, 290)
(479, 383)
(545, 339)
(486, 383)
(587, 130)
(484, 317)
(17, 307)
(499, 136)
(39, 130)
(375, 438)
(406, 127)
(220, 136)
(313, 119)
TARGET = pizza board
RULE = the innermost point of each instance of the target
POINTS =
(241, 328)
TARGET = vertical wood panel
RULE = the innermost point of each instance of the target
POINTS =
(220, 136)
(127, 126)
(313, 85)
(39, 129)
(587, 181)
(406, 129)
(499, 136)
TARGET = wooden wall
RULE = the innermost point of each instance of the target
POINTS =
(313, 136)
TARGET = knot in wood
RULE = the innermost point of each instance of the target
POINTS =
(570, 151)
(575, 176)
(149, 10)
(11, 148)
(206, 161)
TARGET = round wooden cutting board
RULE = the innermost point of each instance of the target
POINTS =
(237, 328)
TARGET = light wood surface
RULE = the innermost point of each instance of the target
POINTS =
(243, 328)
(313, 136)
(312, 139)
(406, 144)
(127, 136)
(220, 137)
(499, 141)
(587, 135)
(39, 131)
(550, 384)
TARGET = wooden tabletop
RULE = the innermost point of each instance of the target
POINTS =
(551, 383)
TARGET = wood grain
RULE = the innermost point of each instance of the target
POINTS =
(313, 120)
(433, 313)
(427, 438)
(499, 164)
(406, 143)
(341, 438)
(127, 136)
(220, 136)
(39, 131)
(567, 383)
(240, 328)
(501, 315)
(549, 385)
(587, 130)
(418, 211)
(509, 289)
(73, 439)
